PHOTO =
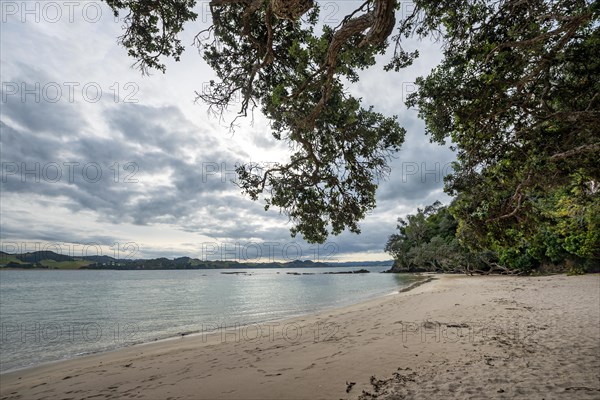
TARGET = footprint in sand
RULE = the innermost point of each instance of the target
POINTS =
(309, 367)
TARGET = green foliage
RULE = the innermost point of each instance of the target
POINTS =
(339, 149)
(576, 270)
(426, 241)
(276, 62)
(153, 28)
(75, 264)
(517, 95)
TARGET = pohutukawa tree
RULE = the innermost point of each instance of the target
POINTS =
(518, 92)
(267, 51)
(512, 93)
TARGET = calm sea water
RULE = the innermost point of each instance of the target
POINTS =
(51, 315)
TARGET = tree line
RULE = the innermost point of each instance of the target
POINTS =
(516, 95)
(431, 240)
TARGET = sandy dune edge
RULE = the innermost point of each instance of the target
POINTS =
(455, 337)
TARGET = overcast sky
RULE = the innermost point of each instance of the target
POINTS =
(96, 157)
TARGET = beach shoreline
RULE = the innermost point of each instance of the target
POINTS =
(36, 332)
(456, 336)
(425, 277)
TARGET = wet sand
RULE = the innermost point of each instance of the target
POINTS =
(454, 337)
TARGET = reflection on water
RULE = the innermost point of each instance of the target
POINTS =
(50, 315)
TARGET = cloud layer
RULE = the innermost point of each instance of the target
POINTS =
(92, 152)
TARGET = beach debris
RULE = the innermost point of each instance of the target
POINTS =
(430, 324)
(381, 387)
(589, 389)
(463, 325)
(349, 386)
(378, 384)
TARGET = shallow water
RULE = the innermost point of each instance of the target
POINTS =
(48, 315)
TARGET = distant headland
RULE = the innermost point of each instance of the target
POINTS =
(52, 260)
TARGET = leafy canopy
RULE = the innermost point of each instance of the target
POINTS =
(426, 241)
(268, 52)
(516, 95)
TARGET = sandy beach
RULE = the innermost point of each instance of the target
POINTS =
(458, 337)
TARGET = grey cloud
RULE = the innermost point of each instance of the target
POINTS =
(418, 169)
(184, 166)
(42, 234)
(164, 128)
(54, 118)
(142, 126)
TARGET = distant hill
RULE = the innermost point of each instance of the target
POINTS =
(387, 263)
(37, 256)
(99, 259)
(194, 263)
(52, 260)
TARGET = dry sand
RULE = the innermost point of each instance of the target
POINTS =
(456, 337)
